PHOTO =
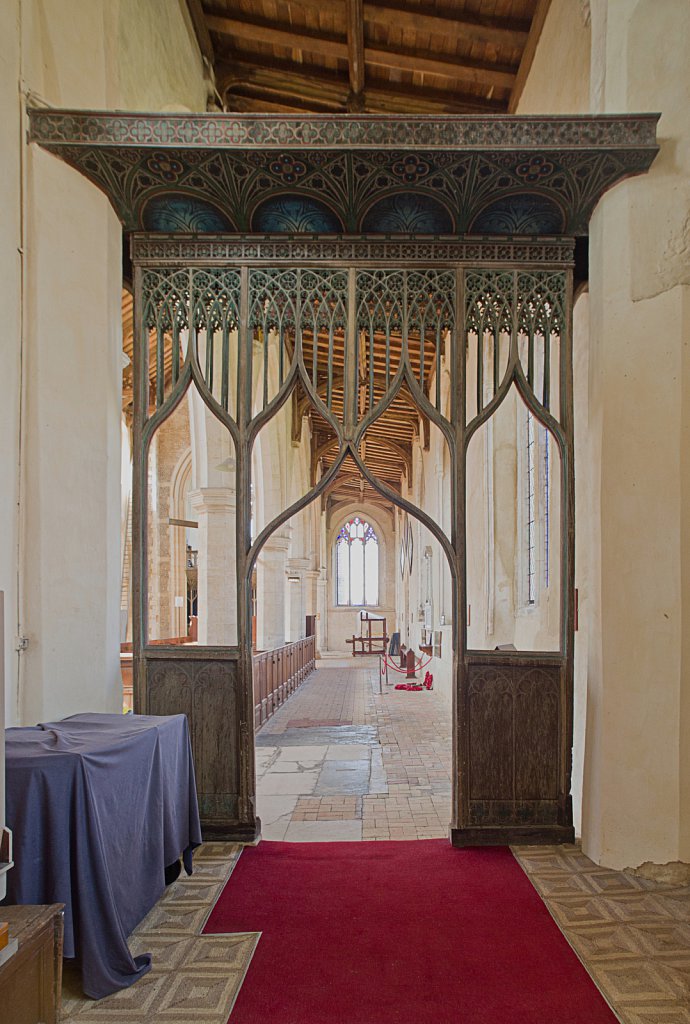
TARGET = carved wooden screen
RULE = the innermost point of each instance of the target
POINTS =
(499, 315)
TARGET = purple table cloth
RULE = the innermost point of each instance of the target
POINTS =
(99, 805)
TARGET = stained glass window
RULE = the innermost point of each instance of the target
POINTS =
(357, 564)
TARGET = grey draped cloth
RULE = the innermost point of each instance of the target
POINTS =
(99, 805)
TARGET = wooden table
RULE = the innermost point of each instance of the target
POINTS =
(31, 980)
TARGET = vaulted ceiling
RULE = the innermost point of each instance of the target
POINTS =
(390, 56)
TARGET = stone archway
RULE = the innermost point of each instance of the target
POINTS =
(513, 721)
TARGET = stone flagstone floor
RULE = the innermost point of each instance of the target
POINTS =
(341, 761)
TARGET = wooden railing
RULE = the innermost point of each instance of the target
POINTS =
(278, 673)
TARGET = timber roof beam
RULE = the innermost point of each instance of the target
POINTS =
(289, 83)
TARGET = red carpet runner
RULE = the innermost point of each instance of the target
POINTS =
(399, 933)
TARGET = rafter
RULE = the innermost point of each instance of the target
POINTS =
(355, 53)
(255, 99)
(239, 68)
(261, 104)
(508, 32)
(453, 68)
(296, 89)
(474, 28)
(261, 31)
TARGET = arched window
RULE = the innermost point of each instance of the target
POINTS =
(357, 564)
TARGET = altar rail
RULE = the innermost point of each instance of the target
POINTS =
(278, 673)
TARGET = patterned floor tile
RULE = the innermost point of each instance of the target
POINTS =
(632, 935)
(194, 978)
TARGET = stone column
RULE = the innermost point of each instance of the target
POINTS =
(70, 563)
(271, 592)
(296, 569)
(322, 611)
(214, 508)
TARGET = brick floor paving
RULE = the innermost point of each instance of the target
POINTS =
(341, 760)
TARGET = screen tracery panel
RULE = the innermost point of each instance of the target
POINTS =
(354, 346)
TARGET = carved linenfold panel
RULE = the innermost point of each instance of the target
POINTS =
(205, 691)
(491, 733)
(215, 729)
(536, 709)
(514, 744)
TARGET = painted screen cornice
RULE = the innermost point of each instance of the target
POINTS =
(376, 175)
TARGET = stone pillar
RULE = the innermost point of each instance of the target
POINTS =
(636, 799)
(271, 592)
(70, 562)
(322, 611)
(296, 569)
(311, 591)
(214, 508)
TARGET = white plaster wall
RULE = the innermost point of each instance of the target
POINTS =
(11, 152)
(71, 515)
(558, 82)
(88, 54)
(153, 53)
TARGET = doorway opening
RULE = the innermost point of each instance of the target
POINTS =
(344, 752)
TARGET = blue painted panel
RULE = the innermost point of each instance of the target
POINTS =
(519, 215)
(176, 212)
(295, 215)
(407, 212)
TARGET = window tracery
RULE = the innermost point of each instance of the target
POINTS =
(357, 564)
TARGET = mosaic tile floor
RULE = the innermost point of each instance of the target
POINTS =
(195, 978)
(632, 935)
(341, 761)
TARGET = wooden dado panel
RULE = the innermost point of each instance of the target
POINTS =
(515, 773)
(206, 692)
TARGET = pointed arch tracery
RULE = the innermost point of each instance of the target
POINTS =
(356, 345)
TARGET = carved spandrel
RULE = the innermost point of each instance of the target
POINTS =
(170, 689)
